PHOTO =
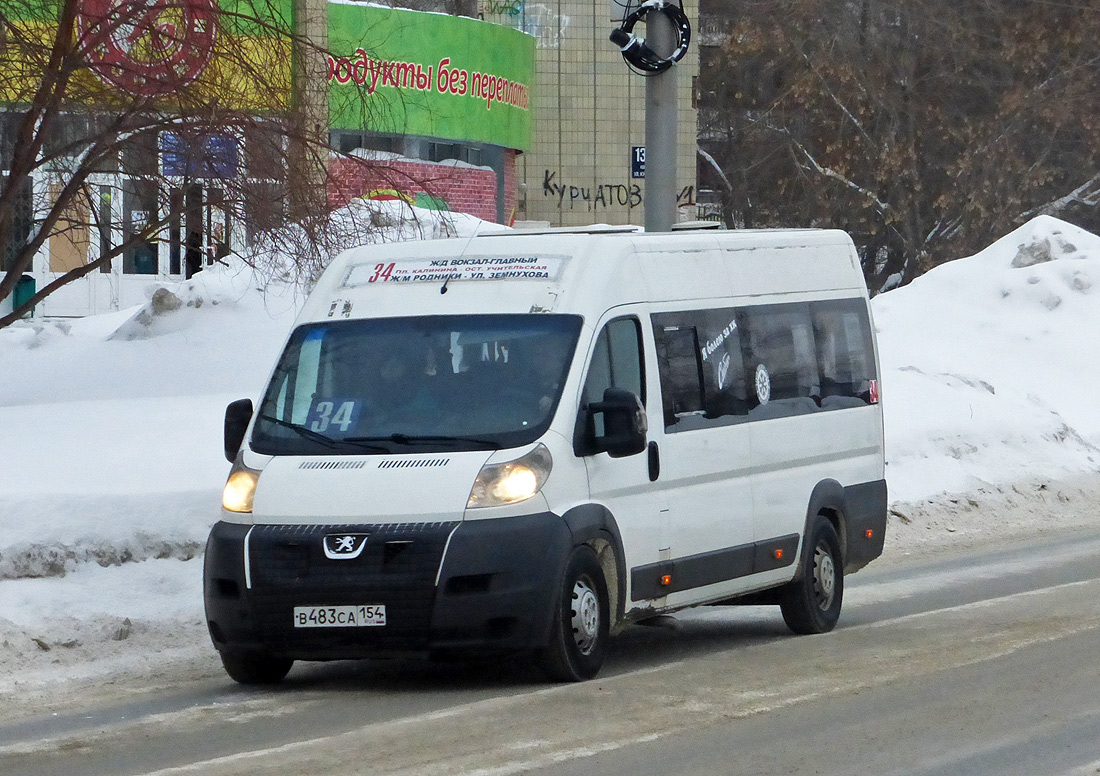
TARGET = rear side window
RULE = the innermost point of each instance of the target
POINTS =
(845, 353)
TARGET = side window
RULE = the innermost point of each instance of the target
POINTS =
(679, 363)
(724, 391)
(780, 359)
(845, 354)
(726, 365)
(700, 363)
(616, 363)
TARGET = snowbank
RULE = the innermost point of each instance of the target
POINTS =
(991, 365)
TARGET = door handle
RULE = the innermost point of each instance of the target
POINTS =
(654, 462)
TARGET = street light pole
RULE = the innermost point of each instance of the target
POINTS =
(660, 130)
(668, 34)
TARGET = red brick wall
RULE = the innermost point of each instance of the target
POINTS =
(464, 189)
(511, 190)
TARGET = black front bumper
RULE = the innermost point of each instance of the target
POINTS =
(483, 585)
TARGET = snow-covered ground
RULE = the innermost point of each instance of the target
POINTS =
(111, 465)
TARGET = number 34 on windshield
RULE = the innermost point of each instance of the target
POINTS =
(332, 413)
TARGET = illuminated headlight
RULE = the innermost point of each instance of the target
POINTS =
(511, 482)
(240, 488)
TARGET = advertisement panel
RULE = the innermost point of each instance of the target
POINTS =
(234, 53)
(389, 70)
(451, 77)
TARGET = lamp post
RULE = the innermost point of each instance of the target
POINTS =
(666, 42)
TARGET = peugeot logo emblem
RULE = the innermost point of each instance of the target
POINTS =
(344, 546)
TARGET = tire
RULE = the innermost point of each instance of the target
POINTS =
(249, 667)
(811, 603)
(582, 621)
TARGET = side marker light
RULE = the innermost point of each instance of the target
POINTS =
(666, 580)
(778, 554)
(870, 533)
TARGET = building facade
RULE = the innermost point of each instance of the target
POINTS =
(526, 113)
(589, 117)
(430, 108)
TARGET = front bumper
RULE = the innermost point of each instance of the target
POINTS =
(483, 585)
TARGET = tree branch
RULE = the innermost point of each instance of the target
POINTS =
(1087, 194)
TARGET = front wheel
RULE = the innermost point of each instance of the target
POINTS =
(811, 603)
(579, 634)
(250, 667)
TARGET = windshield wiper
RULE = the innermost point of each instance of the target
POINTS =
(316, 436)
(416, 439)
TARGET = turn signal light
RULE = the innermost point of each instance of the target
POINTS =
(666, 580)
(870, 533)
(778, 554)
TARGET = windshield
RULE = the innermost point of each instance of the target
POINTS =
(471, 382)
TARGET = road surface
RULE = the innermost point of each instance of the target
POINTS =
(982, 663)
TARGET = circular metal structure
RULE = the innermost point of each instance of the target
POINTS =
(634, 49)
(824, 576)
(586, 615)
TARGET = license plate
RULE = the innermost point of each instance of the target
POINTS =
(339, 616)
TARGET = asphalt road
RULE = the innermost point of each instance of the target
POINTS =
(986, 663)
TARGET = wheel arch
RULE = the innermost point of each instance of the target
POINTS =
(594, 525)
(826, 499)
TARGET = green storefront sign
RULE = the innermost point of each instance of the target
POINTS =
(429, 74)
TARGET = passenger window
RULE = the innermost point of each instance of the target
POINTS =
(845, 354)
(680, 366)
(780, 360)
(702, 376)
(724, 366)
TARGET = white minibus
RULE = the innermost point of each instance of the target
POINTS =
(522, 443)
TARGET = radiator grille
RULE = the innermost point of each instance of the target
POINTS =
(398, 568)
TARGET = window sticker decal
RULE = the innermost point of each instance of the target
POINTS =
(713, 344)
(341, 413)
(723, 371)
(763, 384)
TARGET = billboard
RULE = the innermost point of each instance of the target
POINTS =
(405, 72)
(183, 53)
(388, 70)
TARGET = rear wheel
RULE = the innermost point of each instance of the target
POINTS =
(251, 667)
(579, 635)
(811, 603)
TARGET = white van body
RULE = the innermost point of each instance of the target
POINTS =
(751, 471)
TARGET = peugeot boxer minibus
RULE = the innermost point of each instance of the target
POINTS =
(525, 442)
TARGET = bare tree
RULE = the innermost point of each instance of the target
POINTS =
(150, 101)
(925, 128)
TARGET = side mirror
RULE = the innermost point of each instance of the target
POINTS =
(624, 423)
(237, 417)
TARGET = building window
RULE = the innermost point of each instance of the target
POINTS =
(139, 210)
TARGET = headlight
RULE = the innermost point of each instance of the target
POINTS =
(240, 488)
(511, 482)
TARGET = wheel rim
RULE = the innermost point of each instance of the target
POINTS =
(824, 577)
(585, 608)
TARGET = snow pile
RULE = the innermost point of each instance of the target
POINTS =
(991, 365)
(113, 424)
